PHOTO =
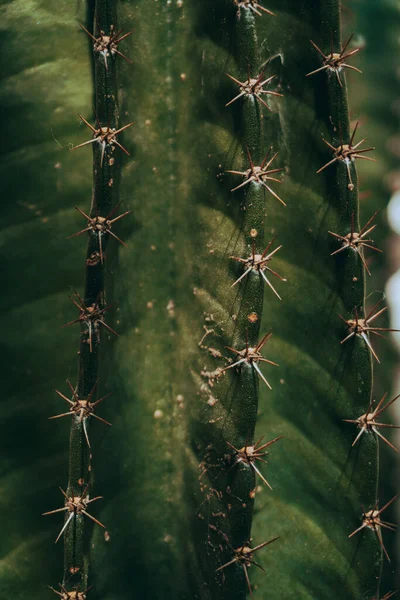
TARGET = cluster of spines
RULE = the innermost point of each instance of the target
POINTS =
(92, 308)
(344, 155)
(252, 91)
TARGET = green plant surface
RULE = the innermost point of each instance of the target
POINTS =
(319, 512)
(175, 502)
(319, 481)
(46, 81)
(375, 99)
(93, 309)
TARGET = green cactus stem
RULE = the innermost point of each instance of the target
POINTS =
(93, 308)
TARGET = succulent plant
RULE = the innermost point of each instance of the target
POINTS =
(221, 302)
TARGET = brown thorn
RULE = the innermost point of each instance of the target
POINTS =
(79, 233)
(323, 68)
(233, 79)
(108, 327)
(82, 213)
(100, 419)
(93, 518)
(82, 118)
(123, 129)
(88, 32)
(57, 510)
(318, 49)
(247, 579)
(360, 254)
(328, 164)
(379, 410)
(231, 562)
(263, 340)
(268, 443)
(112, 211)
(120, 216)
(382, 437)
(64, 397)
(73, 391)
(55, 591)
(371, 314)
(94, 499)
(121, 147)
(354, 133)
(71, 323)
(346, 45)
(85, 143)
(123, 37)
(269, 12)
(68, 414)
(265, 544)
(380, 511)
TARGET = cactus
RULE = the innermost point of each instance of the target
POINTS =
(378, 113)
(104, 141)
(225, 303)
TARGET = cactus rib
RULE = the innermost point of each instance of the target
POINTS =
(92, 307)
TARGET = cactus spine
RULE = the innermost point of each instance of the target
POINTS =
(350, 264)
(230, 375)
(224, 429)
(326, 196)
(92, 317)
